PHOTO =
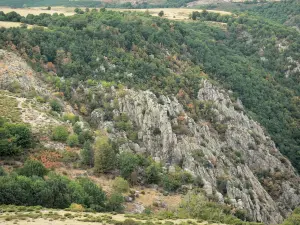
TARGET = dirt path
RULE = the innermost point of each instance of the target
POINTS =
(20, 107)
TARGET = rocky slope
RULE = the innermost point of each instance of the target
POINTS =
(236, 160)
(20, 84)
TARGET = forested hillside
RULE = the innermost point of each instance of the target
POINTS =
(258, 60)
(285, 12)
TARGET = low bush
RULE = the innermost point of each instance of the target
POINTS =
(72, 140)
(115, 202)
(87, 154)
(128, 163)
(122, 122)
(76, 207)
(54, 192)
(60, 133)
(153, 173)
(197, 206)
(14, 137)
(33, 168)
(169, 182)
(2, 171)
(56, 106)
(70, 156)
(70, 117)
(173, 181)
(120, 185)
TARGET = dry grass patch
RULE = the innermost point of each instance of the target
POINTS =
(7, 24)
(39, 10)
(9, 108)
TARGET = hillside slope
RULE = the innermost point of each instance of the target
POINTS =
(139, 81)
(237, 162)
(22, 90)
(285, 12)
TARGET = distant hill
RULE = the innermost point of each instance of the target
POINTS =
(119, 3)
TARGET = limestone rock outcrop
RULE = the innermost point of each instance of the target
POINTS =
(237, 161)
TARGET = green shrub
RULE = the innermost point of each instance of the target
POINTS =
(128, 163)
(56, 106)
(95, 196)
(197, 206)
(86, 154)
(7, 143)
(21, 132)
(122, 122)
(70, 156)
(132, 135)
(72, 140)
(77, 128)
(40, 99)
(293, 219)
(148, 211)
(74, 207)
(153, 173)
(33, 168)
(172, 181)
(70, 117)
(60, 133)
(169, 182)
(2, 171)
(222, 185)
(241, 214)
(85, 136)
(105, 157)
(115, 202)
(14, 138)
(120, 185)
(14, 87)
(185, 177)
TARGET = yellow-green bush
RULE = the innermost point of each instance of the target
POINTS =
(60, 133)
(120, 185)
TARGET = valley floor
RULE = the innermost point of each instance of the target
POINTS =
(61, 217)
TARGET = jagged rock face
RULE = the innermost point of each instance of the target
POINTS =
(237, 161)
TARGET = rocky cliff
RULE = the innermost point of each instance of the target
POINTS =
(237, 161)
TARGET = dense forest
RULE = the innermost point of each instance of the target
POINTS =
(285, 12)
(255, 58)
